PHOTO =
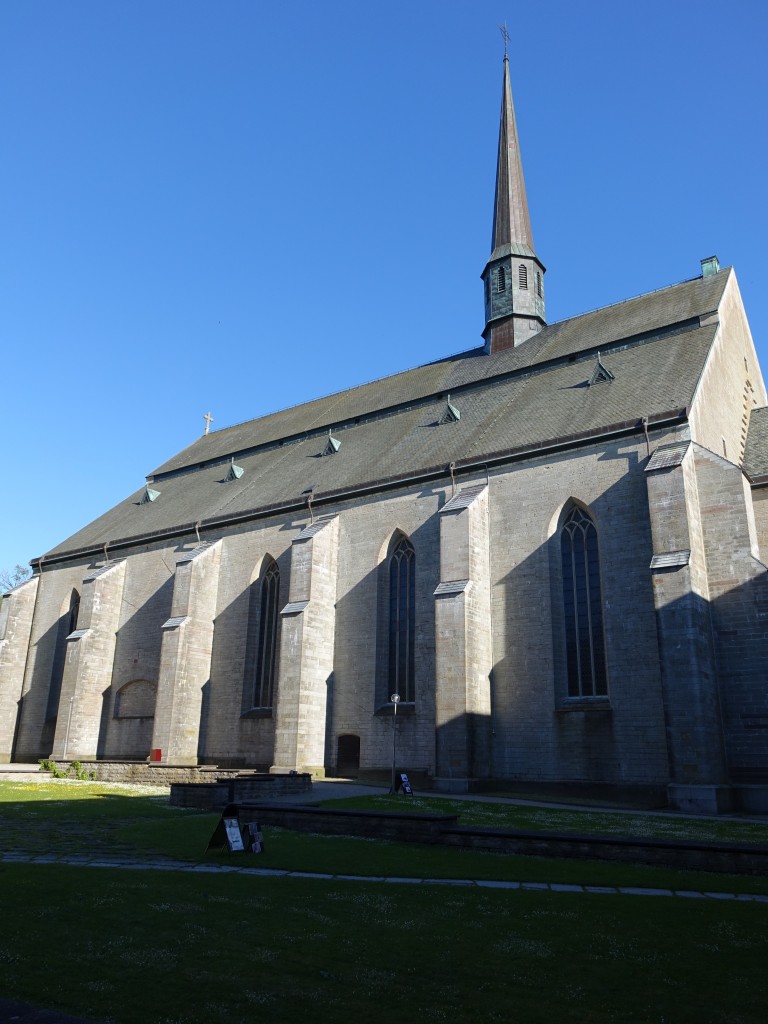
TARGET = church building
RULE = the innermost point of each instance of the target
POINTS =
(551, 549)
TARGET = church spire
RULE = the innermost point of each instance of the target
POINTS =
(513, 276)
(511, 221)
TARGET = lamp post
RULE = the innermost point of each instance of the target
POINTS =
(395, 699)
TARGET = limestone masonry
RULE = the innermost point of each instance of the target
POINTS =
(550, 548)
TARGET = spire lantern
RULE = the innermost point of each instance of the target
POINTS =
(514, 275)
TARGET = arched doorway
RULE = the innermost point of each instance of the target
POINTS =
(348, 755)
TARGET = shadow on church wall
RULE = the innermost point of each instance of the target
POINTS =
(137, 656)
(361, 678)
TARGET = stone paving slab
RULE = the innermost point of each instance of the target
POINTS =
(630, 890)
(124, 863)
(14, 1012)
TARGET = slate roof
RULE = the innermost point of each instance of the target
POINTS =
(756, 450)
(518, 399)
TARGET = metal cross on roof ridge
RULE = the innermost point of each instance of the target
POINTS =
(505, 37)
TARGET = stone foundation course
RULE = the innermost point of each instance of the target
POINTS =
(205, 786)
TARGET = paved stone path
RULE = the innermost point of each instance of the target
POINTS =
(133, 864)
(14, 1012)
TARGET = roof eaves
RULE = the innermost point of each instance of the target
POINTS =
(515, 454)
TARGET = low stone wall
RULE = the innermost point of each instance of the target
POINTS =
(443, 829)
(205, 796)
(402, 826)
(668, 853)
(140, 772)
(214, 796)
(205, 786)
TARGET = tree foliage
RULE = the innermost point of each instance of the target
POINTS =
(10, 578)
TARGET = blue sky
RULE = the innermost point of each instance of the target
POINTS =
(242, 205)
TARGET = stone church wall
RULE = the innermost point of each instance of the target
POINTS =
(731, 383)
(146, 605)
(760, 511)
(738, 598)
(231, 734)
(361, 684)
(539, 733)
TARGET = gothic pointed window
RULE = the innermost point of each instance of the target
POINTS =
(538, 284)
(487, 290)
(402, 620)
(522, 272)
(67, 624)
(501, 280)
(261, 664)
(582, 606)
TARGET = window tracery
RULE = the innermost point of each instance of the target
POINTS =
(402, 620)
(582, 606)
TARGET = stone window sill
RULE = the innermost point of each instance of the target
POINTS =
(403, 708)
(584, 704)
(257, 713)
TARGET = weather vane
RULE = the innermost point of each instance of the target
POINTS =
(505, 37)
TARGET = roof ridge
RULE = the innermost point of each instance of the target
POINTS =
(450, 358)
(632, 298)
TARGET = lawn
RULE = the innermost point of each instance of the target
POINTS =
(100, 819)
(199, 949)
(553, 819)
(182, 948)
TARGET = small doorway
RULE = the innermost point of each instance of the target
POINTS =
(348, 755)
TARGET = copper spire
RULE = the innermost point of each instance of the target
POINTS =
(511, 222)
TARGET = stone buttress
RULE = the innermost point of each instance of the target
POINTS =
(697, 766)
(185, 658)
(307, 650)
(90, 655)
(463, 642)
(738, 593)
(16, 613)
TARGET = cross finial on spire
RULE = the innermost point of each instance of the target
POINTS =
(505, 37)
(208, 421)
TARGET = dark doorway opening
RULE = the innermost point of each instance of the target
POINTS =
(348, 755)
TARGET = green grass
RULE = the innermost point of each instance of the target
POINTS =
(97, 819)
(185, 949)
(341, 855)
(547, 819)
(174, 948)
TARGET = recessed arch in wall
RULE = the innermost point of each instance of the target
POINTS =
(136, 699)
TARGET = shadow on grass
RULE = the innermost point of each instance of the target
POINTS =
(181, 949)
(146, 827)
